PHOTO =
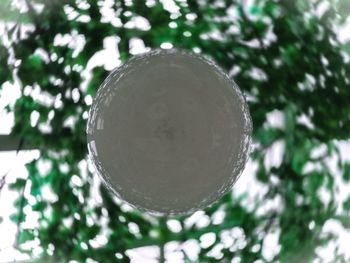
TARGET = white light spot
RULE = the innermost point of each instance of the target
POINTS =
(58, 102)
(173, 24)
(51, 114)
(88, 100)
(191, 248)
(118, 256)
(34, 117)
(107, 57)
(137, 46)
(207, 240)
(218, 217)
(76, 181)
(85, 115)
(133, 228)
(49, 195)
(64, 168)
(127, 13)
(69, 122)
(75, 95)
(174, 225)
(166, 45)
(138, 22)
(67, 222)
(187, 34)
(191, 16)
(204, 221)
(312, 225)
(83, 245)
(170, 6)
(54, 57)
(150, 3)
(271, 246)
(175, 15)
(197, 50)
(77, 216)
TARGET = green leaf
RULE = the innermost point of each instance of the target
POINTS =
(262, 176)
(5, 74)
(14, 218)
(19, 184)
(346, 172)
(26, 235)
(346, 205)
(315, 181)
(343, 7)
(39, 206)
(255, 10)
(35, 62)
(347, 48)
(299, 159)
(267, 136)
(91, 232)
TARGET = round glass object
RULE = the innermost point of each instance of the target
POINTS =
(169, 132)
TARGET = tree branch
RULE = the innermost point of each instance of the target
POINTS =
(3, 178)
(20, 217)
(32, 14)
(163, 233)
(10, 143)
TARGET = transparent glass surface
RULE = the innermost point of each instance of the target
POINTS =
(169, 132)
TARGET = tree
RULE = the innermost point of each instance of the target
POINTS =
(284, 54)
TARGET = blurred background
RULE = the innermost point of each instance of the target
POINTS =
(291, 58)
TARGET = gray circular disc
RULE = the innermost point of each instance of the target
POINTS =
(169, 132)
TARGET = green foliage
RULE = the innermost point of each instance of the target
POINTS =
(6, 74)
(284, 56)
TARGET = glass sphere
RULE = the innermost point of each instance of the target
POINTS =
(169, 132)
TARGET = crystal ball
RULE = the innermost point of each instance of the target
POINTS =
(169, 132)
